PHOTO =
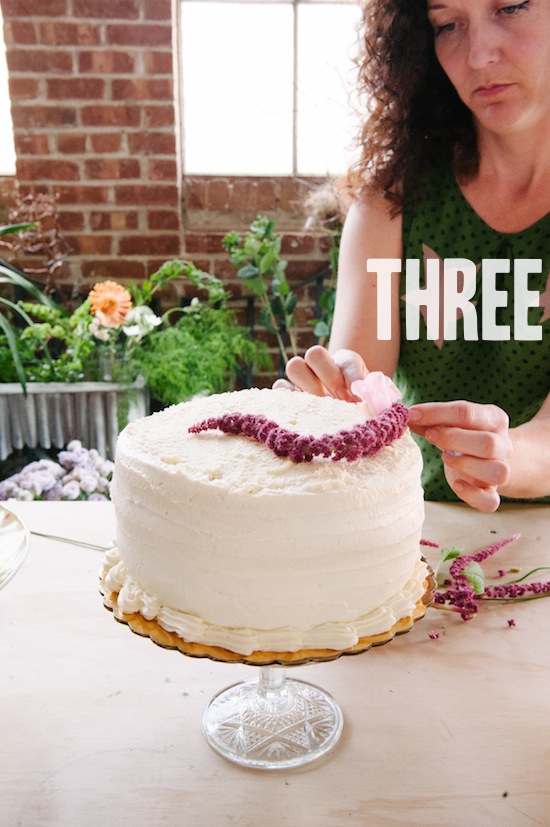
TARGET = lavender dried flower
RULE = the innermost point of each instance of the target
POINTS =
(79, 474)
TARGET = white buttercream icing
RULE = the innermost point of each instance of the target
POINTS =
(219, 531)
(330, 635)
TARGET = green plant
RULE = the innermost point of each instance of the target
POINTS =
(114, 334)
(12, 313)
(203, 350)
(256, 257)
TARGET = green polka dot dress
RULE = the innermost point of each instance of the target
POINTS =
(514, 374)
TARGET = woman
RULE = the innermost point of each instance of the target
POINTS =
(455, 164)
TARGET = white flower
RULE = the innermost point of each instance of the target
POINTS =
(88, 483)
(140, 321)
(71, 490)
(97, 330)
(102, 485)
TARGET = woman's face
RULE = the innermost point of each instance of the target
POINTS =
(497, 56)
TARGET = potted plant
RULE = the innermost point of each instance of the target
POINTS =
(83, 375)
(256, 256)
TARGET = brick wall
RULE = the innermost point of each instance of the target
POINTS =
(96, 120)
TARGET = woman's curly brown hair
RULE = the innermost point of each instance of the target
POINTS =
(414, 113)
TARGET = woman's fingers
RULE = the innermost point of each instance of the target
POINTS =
(475, 444)
(351, 365)
(470, 416)
(322, 374)
(483, 471)
(303, 377)
(485, 499)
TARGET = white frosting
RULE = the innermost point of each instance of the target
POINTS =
(252, 550)
(330, 635)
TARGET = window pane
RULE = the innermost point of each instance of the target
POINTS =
(326, 75)
(237, 88)
(7, 153)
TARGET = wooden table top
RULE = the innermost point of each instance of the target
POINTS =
(102, 727)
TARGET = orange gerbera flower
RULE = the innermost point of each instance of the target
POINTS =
(110, 302)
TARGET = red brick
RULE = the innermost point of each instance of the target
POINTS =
(203, 242)
(24, 8)
(83, 194)
(69, 34)
(123, 116)
(19, 31)
(290, 193)
(151, 245)
(113, 269)
(44, 169)
(113, 220)
(80, 88)
(152, 143)
(106, 142)
(37, 144)
(163, 220)
(71, 144)
(71, 221)
(156, 195)
(23, 88)
(162, 169)
(267, 198)
(42, 117)
(218, 194)
(91, 245)
(139, 34)
(158, 116)
(39, 60)
(299, 269)
(121, 9)
(194, 193)
(112, 169)
(106, 62)
(158, 10)
(297, 243)
(159, 63)
(142, 89)
(245, 195)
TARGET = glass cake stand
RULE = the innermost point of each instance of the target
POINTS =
(14, 545)
(273, 722)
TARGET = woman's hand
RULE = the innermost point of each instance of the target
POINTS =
(476, 447)
(322, 374)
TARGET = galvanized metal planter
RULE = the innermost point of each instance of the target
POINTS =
(54, 413)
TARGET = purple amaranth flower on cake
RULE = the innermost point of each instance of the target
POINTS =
(362, 440)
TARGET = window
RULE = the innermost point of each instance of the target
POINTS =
(266, 86)
(7, 152)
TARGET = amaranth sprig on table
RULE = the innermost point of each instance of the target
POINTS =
(467, 586)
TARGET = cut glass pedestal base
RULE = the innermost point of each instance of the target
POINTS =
(273, 722)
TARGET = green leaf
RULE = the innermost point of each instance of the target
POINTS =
(249, 271)
(450, 554)
(15, 228)
(11, 275)
(267, 261)
(475, 575)
(12, 344)
(321, 330)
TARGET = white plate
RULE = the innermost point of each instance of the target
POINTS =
(14, 544)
